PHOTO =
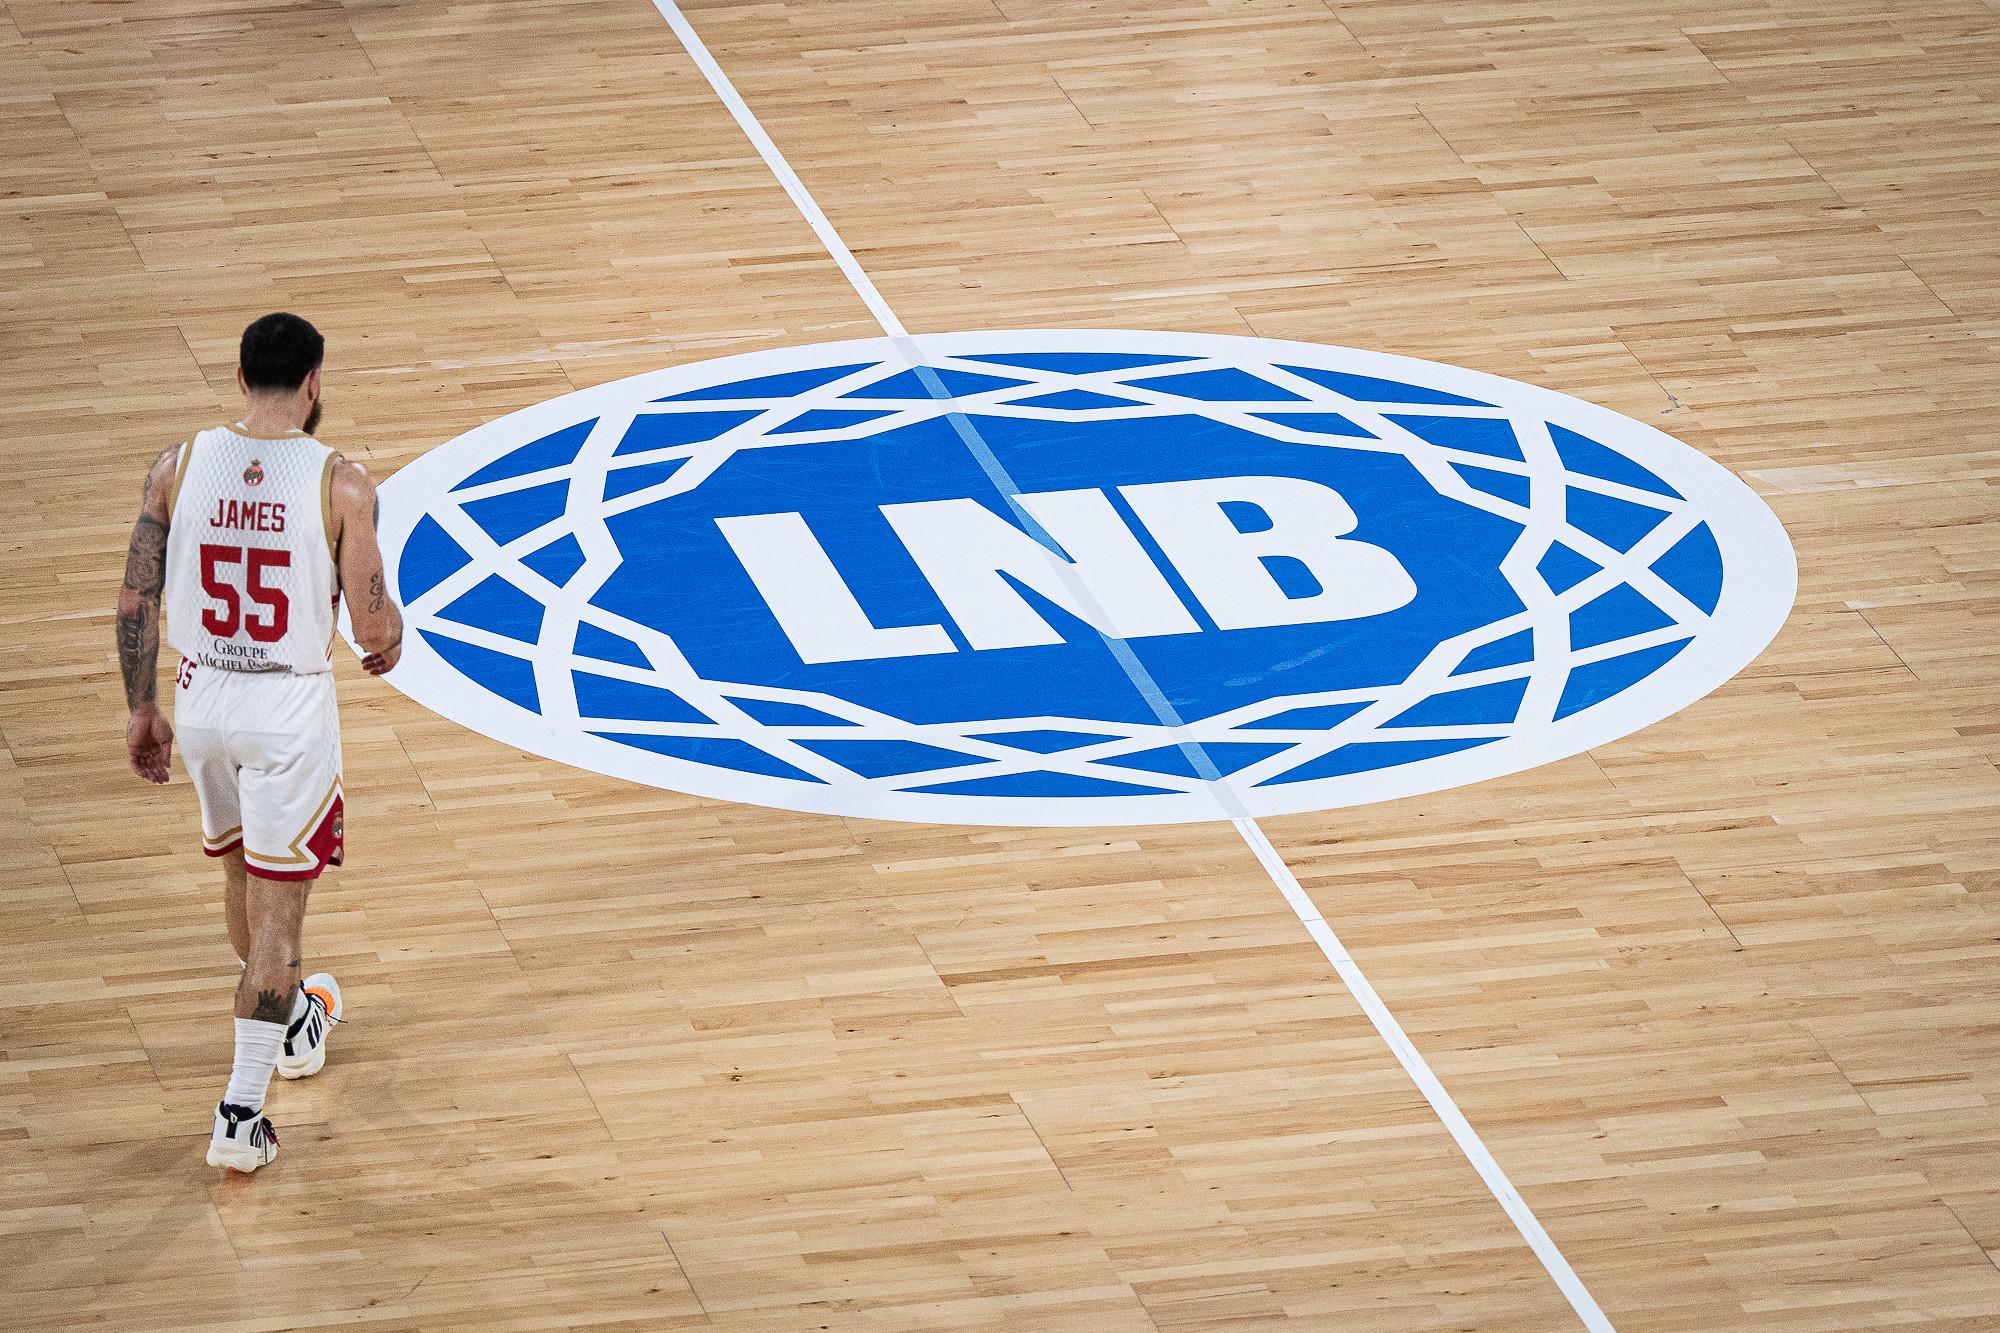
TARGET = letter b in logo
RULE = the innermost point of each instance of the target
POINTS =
(1225, 536)
(1229, 568)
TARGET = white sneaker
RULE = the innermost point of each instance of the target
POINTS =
(243, 1140)
(305, 1039)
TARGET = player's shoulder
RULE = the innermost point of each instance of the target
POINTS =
(352, 489)
(351, 475)
(160, 476)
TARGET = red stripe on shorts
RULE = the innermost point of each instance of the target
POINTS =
(327, 847)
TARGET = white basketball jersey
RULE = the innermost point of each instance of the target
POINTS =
(251, 582)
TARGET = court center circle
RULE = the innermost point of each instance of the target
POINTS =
(1072, 577)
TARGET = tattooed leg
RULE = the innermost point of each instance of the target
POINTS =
(276, 916)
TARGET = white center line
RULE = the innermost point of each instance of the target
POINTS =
(1287, 884)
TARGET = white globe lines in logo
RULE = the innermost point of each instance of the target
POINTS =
(1072, 577)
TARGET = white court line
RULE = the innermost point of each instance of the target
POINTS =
(1287, 884)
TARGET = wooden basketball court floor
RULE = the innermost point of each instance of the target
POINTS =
(1720, 997)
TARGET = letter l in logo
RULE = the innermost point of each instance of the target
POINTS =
(812, 603)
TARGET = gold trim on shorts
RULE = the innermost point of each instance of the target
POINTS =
(299, 855)
(216, 844)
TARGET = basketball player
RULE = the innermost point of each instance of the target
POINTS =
(253, 531)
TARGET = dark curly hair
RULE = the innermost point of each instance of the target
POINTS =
(279, 351)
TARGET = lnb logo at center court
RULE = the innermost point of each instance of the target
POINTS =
(1072, 577)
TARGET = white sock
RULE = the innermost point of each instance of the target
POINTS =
(257, 1047)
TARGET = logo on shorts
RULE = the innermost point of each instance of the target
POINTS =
(254, 474)
(1072, 577)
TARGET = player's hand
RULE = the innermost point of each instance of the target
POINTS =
(382, 663)
(149, 742)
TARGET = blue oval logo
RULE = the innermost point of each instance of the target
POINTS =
(1072, 577)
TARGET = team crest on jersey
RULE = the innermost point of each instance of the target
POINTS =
(1072, 577)
(254, 474)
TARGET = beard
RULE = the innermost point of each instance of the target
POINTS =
(311, 426)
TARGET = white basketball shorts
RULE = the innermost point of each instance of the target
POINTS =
(263, 748)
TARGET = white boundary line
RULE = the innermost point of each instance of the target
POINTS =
(1252, 834)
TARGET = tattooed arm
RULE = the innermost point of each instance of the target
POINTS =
(377, 622)
(149, 741)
